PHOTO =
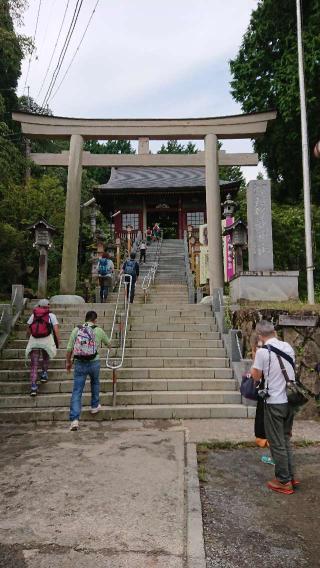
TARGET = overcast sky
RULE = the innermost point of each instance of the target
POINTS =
(141, 58)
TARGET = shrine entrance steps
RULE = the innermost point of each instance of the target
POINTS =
(175, 363)
(175, 367)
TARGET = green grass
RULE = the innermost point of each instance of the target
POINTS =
(290, 306)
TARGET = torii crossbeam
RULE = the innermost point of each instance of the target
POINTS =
(79, 129)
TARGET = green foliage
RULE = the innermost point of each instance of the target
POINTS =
(289, 238)
(21, 206)
(265, 76)
(101, 175)
(174, 147)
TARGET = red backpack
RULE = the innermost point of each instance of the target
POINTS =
(41, 325)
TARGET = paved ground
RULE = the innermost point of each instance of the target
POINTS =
(102, 497)
(111, 495)
(246, 525)
(242, 430)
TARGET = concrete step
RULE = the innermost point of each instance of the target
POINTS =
(146, 342)
(173, 316)
(135, 373)
(137, 412)
(65, 386)
(145, 351)
(141, 334)
(106, 311)
(141, 362)
(125, 398)
(173, 327)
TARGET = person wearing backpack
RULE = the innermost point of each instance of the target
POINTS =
(43, 334)
(82, 348)
(131, 268)
(105, 272)
(143, 250)
(278, 414)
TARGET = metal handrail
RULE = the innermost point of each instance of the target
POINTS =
(120, 316)
(151, 274)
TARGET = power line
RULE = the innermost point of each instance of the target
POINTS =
(63, 51)
(34, 38)
(77, 49)
(55, 47)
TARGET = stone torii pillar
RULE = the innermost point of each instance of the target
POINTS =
(215, 262)
(72, 217)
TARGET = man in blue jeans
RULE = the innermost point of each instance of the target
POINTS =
(83, 349)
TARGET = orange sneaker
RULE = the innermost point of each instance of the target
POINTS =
(276, 485)
(295, 482)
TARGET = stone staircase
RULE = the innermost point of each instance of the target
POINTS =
(175, 362)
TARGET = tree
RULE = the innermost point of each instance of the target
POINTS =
(101, 175)
(174, 147)
(20, 206)
(265, 76)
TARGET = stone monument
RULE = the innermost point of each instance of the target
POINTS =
(259, 225)
(262, 282)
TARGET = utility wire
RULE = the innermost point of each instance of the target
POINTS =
(33, 39)
(55, 47)
(76, 51)
(63, 52)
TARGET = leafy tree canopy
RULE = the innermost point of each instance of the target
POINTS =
(175, 147)
(265, 76)
(101, 175)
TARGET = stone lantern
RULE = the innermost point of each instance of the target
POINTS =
(229, 207)
(239, 240)
(42, 233)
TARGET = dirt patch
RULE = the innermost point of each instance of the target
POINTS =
(247, 525)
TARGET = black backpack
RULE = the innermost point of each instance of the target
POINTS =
(130, 267)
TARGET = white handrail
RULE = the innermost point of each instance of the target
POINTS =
(115, 363)
(151, 274)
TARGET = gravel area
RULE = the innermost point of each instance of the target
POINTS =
(247, 525)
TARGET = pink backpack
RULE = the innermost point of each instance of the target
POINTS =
(85, 347)
(41, 325)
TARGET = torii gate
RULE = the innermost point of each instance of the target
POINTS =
(143, 130)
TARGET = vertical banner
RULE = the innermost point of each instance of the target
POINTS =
(204, 268)
(228, 257)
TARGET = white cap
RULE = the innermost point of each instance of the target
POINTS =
(43, 303)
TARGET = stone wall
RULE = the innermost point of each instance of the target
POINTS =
(304, 340)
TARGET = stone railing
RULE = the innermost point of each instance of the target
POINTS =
(231, 337)
(10, 313)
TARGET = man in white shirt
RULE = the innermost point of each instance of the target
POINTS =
(278, 415)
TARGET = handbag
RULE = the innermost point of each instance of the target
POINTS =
(249, 387)
(297, 394)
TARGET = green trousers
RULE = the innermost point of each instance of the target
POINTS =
(278, 420)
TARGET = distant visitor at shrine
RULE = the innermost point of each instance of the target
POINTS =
(174, 197)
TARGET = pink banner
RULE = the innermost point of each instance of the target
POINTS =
(229, 267)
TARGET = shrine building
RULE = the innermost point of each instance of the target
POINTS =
(174, 197)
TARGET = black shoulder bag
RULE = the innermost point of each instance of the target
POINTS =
(297, 393)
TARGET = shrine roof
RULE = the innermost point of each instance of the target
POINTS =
(130, 178)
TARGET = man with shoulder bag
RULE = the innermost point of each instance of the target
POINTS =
(275, 361)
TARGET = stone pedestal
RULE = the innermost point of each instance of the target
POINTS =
(265, 286)
(66, 299)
